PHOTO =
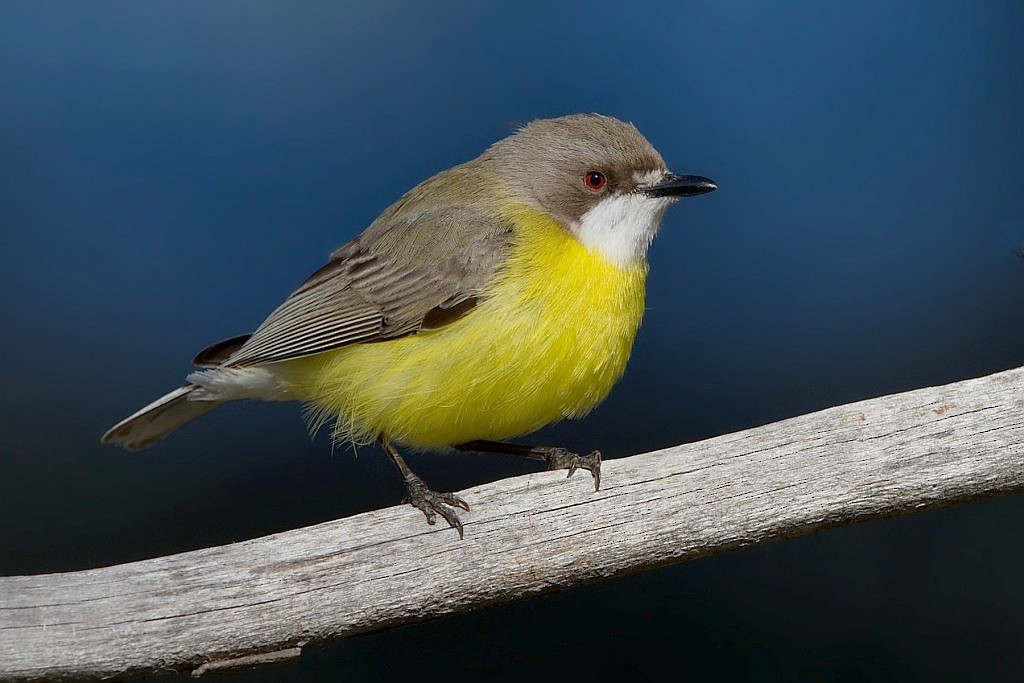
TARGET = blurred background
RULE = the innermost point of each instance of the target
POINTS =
(170, 171)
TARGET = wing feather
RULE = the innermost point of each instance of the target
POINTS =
(385, 283)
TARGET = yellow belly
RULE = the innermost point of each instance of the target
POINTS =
(548, 341)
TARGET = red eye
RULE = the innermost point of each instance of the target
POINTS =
(595, 180)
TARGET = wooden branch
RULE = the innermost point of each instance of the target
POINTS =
(265, 599)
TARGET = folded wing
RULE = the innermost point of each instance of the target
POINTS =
(427, 268)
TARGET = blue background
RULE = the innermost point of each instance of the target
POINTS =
(170, 171)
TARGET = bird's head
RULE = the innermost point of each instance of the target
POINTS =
(597, 176)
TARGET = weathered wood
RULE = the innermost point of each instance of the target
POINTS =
(264, 599)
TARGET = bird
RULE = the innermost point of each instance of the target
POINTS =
(492, 299)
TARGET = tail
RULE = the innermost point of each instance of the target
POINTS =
(158, 419)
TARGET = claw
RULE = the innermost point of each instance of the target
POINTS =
(560, 458)
(432, 504)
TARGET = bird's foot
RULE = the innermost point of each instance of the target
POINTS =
(432, 504)
(563, 459)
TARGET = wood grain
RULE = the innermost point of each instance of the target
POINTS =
(265, 599)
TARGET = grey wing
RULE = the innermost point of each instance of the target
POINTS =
(399, 276)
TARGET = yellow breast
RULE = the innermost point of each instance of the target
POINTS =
(548, 341)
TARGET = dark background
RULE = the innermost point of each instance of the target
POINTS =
(170, 171)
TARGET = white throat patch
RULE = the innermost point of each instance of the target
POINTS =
(621, 227)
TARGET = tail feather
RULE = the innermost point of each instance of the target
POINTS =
(158, 419)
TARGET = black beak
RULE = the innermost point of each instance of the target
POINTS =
(673, 185)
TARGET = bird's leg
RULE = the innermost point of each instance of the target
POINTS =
(428, 502)
(556, 458)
